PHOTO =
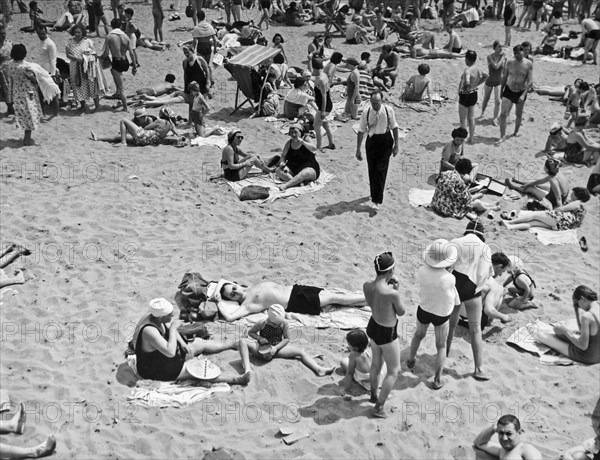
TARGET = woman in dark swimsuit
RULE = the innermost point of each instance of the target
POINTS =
(298, 164)
(510, 17)
(553, 196)
(583, 345)
(233, 169)
(324, 104)
(195, 69)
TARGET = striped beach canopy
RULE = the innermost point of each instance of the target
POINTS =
(254, 55)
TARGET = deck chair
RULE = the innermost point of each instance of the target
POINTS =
(243, 68)
(330, 10)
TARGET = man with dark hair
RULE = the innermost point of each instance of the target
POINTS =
(117, 45)
(516, 81)
(470, 81)
(378, 122)
(509, 432)
(390, 70)
(308, 300)
(386, 305)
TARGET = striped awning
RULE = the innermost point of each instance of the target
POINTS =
(253, 56)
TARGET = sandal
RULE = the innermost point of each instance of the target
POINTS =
(583, 244)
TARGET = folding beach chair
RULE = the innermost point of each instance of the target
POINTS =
(243, 68)
(331, 12)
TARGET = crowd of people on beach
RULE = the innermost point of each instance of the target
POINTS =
(460, 280)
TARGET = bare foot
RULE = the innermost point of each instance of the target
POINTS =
(379, 412)
(18, 277)
(495, 122)
(243, 379)
(120, 144)
(373, 398)
(501, 140)
(322, 372)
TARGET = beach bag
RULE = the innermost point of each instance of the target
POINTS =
(192, 294)
(254, 192)
(189, 11)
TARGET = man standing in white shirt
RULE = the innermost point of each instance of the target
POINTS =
(379, 123)
(47, 58)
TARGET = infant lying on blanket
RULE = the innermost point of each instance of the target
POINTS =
(308, 300)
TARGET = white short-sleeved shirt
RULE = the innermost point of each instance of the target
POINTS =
(297, 96)
(377, 121)
(471, 15)
(47, 55)
(437, 290)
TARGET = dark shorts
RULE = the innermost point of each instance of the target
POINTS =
(593, 34)
(158, 14)
(304, 300)
(381, 334)
(197, 118)
(472, 24)
(232, 175)
(457, 50)
(574, 109)
(468, 100)
(265, 5)
(593, 182)
(352, 41)
(120, 65)
(512, 96)
(465, 287)
(424, 317)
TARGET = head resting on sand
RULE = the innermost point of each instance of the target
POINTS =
(384, 263)
(276, 314)
(160, 307)
(476, 228)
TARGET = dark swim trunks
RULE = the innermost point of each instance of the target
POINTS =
(465, 287)
(593, 34)
(512, 96)
(468, 100)
(457, 50)
(424, 317)
(304, 300)
(381, 334)
(120, 65)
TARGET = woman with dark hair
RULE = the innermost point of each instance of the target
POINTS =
(554, 188)
(236, 163)
(580, 149)
(84, 72)
(453, 150)
(565, 217)
(22, 84)
(583, 345)
(496, 62)
(298, 164)
(292, 16)
(331, 67)
(454, 198)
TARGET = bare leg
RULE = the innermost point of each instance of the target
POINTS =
(306, 175)
(118, 78)
(45, 448)
(16, 424)
(20, 251)
(474, 309)
(553, 342)
(504, 112)
(471, 120)
(17, 278)
(441, 335)
(487, 92)
(375, 371)
(493, 300)
(391, 355)
(333, 298)
(245, 349)
(27, 140)
(452, 323)
(518, 117)
(415, 343)
(291, 352)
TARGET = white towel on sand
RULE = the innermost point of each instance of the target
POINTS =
(210, 141)
(568, 62)
(420, 197)
(547, 237)
(272, 185)
(151, 393)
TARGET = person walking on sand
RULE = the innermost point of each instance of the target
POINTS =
(472, 270)
(470, 80)
(386, 305)
(378, 122)
(516, 81)
(118, 45)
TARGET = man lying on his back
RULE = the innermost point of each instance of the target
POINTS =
(308, 300)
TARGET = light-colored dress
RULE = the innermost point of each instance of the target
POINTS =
(28, 110)
(84, 83)
(5, 59)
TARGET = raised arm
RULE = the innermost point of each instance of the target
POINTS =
(167, 348)
(482, 441)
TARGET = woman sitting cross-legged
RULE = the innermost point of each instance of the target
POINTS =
(453, 198)
(235, 163)
(584, 345)
(565, 217)
(298, 164)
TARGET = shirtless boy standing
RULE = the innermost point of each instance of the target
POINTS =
(511, 447)
(516, 81)
(383, 297)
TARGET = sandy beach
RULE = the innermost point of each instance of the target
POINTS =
(109, 229)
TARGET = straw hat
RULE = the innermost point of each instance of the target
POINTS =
(440, 254)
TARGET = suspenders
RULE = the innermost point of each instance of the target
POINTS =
(386, 114)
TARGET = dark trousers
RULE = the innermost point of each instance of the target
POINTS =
(379, 149)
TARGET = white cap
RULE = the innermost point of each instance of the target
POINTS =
(160, 307)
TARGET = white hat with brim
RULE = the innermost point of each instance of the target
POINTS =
(440, 254)
(160, 307)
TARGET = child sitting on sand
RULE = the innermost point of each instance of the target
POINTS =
(523, 288)
(418, 85)
(357, 364)
(200, 108)
(272, 339)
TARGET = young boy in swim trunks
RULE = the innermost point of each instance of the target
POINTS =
(386, 305)
(274, 331)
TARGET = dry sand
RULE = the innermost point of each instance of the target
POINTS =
(105, 243)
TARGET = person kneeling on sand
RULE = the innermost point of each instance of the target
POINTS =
(200, 108)
(17, 425)
(386, 305)
(523, 288)
(307, 300)
(509, 432)
(272, 341)
(161, 352)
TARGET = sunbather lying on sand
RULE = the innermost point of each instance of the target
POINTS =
(308, 300)
(418, 52)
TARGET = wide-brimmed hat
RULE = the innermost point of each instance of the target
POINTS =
(440, 254)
